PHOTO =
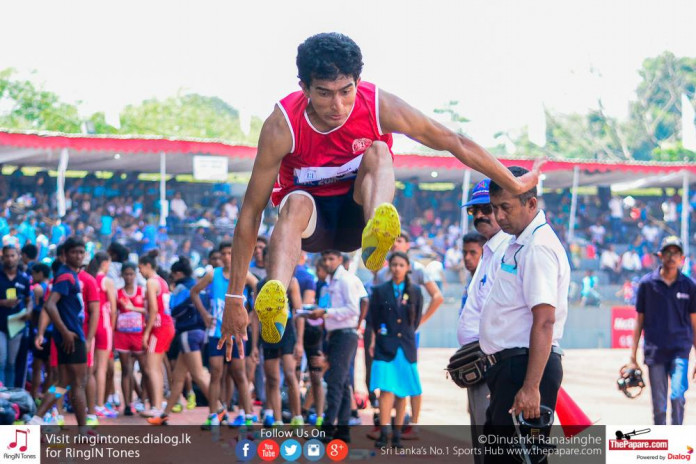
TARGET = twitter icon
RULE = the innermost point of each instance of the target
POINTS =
(291, 450)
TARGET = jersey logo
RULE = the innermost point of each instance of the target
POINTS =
(360, 145)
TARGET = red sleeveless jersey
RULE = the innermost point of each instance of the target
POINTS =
(90, 292)
(138, 299)
(326, 163)
(130, 319)
(164, 317)
(104, 303)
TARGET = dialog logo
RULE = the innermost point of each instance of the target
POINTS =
(245, 450)
(291, 450)
(268, 450)
(680, 456)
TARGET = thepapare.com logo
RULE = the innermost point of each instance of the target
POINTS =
(20, 444)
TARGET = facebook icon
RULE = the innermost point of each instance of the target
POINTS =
(245, 450)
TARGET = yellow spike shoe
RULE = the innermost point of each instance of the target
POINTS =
(379, 236)
(272, 308)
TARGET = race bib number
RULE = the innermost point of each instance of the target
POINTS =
(313, 176)
(130, 322)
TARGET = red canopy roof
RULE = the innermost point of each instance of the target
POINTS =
(97, 153)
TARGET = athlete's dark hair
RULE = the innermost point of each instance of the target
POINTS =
(30, 250)
(150, 258)
(474, 237)
(328, 55)
(71, 243)
(319, 263)
(96, 262)
(183, 265)
(42, 268)
(129, 265)
(119, 253)
(516, 171)
(332, 252)
(55, 266)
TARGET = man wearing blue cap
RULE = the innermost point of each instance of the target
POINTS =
(666, 306)
(479, 208)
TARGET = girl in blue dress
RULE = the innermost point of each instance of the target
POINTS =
(394, 315)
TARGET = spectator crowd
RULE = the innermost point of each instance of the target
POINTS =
(127, 261)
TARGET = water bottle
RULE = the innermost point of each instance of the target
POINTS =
(383, 329)
(361, 454)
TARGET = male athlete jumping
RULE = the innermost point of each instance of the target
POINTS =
(324, 158)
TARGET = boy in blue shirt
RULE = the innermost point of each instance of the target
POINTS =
(66, 309)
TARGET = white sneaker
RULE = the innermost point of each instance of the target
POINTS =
(139, 406)
(151, 413)
(36, 420)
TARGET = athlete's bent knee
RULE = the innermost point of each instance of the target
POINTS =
(296, 205)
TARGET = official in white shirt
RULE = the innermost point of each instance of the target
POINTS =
(480, 209)
(341, 321)
(523, 317)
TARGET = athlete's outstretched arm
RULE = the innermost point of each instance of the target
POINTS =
(395, 115)
(275, 142)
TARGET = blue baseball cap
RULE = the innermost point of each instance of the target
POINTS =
(479, 196)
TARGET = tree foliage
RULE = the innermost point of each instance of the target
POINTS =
(657, 112)
(652, 130)
(189, 115)
(23, 106)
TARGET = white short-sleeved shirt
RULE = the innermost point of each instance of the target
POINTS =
(609, 259)
(453, 258)
(434, 269)
(534, 270)
(650, 232)
(480, 286)
(616, 207)
(345, 290)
